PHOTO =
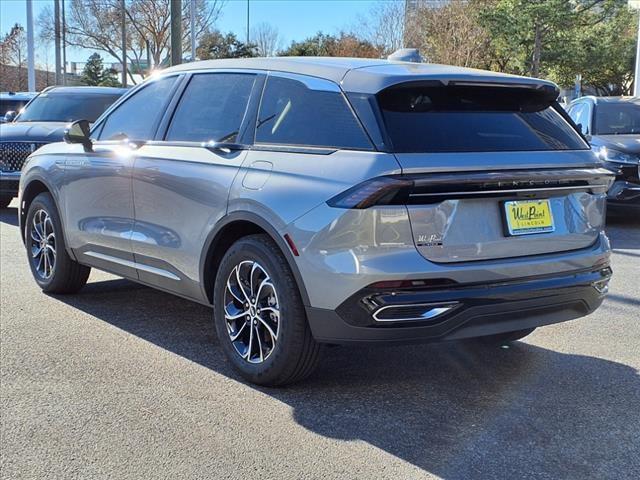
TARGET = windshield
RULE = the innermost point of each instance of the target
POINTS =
(617, 119)
(66, 107)
(473, 119)
(11, 105)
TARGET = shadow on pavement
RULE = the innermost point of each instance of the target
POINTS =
(624, 231)
(454, 410)
(9, 216)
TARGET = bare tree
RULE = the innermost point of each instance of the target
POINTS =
(450, 34)
(95, 24)
(13, 51)
(267, 38)
(44, 59)
(384, 26)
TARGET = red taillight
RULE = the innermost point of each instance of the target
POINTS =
(376, 191)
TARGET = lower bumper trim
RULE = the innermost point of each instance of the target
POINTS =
(499, 309)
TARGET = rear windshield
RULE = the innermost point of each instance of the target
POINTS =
(473, 119)
(66, 107)
(617, 119)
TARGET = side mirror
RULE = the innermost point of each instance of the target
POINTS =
(78, 132)
(10, 116)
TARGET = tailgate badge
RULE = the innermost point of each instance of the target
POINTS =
(433, 240)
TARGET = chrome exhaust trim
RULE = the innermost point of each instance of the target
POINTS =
(413, 312)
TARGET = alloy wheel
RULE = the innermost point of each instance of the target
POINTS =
(43, 244)
(251, 311)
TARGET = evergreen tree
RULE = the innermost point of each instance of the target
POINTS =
(94, 73)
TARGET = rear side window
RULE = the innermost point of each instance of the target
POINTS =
(136, 117)
(473, 119)
(291, 113)
(212, 108)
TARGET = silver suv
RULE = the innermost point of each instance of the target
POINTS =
(316, 201)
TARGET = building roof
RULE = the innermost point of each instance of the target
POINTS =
(363, 75)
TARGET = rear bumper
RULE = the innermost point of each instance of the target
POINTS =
(478, 309)
(9, 183)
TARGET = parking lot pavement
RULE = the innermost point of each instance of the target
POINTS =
(121, 381)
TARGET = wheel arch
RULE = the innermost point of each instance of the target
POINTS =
(230, 229)
(34, 188)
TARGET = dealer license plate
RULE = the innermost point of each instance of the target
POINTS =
(525, 217)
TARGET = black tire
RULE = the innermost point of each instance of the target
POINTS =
(295, 354)
(503, 338)
(65, 274)
(5, 201)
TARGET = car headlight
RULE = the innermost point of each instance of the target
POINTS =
(616, 156)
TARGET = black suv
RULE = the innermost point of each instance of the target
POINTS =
(43, 121)
(612, 126)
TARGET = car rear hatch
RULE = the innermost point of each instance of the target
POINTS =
(491, 171)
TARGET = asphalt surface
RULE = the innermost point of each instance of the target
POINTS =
(121, 381)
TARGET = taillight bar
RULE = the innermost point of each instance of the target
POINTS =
(431, 188)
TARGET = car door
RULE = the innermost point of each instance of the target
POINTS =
(181, 183)
(97, 192)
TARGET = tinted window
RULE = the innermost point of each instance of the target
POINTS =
(473, 119)
(212, 108)
(136, 117)
(617, 119)
(293, 114)
(66, 107)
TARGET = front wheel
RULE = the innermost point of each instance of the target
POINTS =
(259, 316)
(52, 267)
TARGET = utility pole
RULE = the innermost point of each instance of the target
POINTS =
(123, 33)
(176, 32)
(31, 74)
(64, 46)
(193, 30)
(56, 20)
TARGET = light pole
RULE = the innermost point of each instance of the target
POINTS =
(123, 33)
(193, 30)
(636, 78)
(31, 70)
(56, 28)
(635, 5)
(176, 31)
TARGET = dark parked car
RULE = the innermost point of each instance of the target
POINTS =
(12, 103)
(612, 126)
(43, 121)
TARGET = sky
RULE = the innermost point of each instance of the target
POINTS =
(295, 19)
